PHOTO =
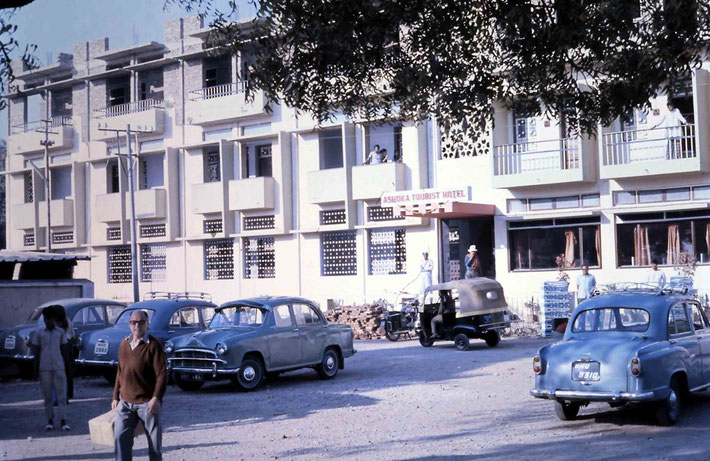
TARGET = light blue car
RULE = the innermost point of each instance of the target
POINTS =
(631, 345)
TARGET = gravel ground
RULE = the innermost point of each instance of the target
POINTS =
(392, 401)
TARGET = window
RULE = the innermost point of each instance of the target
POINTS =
(28, 192)
(113, 233)
(697, 316)
(113, 312)
(218, 70)
(153, 262)
(263, 160)
(517, 206)
(62, 103)
(151, 171)
(117, 96)
(305, 315)
(331, 149)
(678, 315)
(282, 316)
(329, 217)
(119, 264)
(152, 230)
(218, 259)
(388, 251)
(535, 245)
(701, 193)
(610, 319)
(259, 258)
(91, 315)
(207, 314)
(258, 222)
(338, 253)
(187, 317)
(212, 226)
(624, 198)
(112, 177)
(381, 213)
(591, 200)
(212, 171)
(61, 183)
(553, 203)
(651, 196)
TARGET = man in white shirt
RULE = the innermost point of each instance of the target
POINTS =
(585, 284)
(656, 276)
(375, 157)
(672, 121)
(426, 267)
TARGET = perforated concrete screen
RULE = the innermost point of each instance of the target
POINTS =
(338, 253)
(259, 258)
(388, 251)
(219, 259)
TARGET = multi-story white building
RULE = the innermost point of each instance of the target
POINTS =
(236, 200)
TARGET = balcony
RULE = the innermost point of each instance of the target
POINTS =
(23, 216)
(62, 213)
(28, 137)
(252, 194)
(648, 152)
(371, 181)
(107, 208)
(146, 115)
(221, 103)
(554, 161)
(327, 186)
(207, 197)
(150, 203)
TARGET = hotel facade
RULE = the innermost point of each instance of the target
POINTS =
(236, 200)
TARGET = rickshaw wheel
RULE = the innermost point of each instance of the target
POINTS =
(461, 342)
(424, 341)
(492, 338)
(392, 336)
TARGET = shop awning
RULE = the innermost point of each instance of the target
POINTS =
(445, 210)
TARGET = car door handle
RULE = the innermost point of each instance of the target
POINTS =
(295, 329)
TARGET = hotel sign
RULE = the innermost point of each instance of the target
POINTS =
(411, 197)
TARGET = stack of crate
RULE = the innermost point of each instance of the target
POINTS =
(555, 305)
(683, 280)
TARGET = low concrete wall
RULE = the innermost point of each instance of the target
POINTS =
(18, 298)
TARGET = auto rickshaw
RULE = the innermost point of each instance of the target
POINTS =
(471, 309)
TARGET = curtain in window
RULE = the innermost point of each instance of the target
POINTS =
(673, 250)
(707, 236)
(598, 245)
(642, 252)
(570, 245)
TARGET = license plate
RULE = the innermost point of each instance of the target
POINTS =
(10, 342)
(506, 318)
(585, 371)
(192, 376)
(382, 324)
(101, 348)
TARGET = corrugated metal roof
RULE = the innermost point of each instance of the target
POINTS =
(33, 256)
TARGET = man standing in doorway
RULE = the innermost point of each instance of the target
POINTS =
(585, 284)
(472, 263)
(426, 267)
(140, 386)
(656, 276)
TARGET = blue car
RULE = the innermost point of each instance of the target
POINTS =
(170, 314)
(630, 345)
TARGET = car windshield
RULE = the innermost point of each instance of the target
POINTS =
(611, 319)
(126, 315)
(237, 316)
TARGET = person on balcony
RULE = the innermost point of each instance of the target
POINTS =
(375, 156)
(672, 121)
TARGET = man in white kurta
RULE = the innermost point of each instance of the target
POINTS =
(426, 266)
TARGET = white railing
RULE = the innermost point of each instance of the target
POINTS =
(61, 120)
(218, 91)
(553, 154)
(128, 108)
(625, 147)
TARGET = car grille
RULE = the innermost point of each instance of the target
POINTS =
(195, 358)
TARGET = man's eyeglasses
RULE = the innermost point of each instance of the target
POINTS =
(137, 322)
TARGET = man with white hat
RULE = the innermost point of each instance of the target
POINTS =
(425, 268)
(472, 264)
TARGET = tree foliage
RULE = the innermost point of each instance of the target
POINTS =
(590, 60)
(9, 46)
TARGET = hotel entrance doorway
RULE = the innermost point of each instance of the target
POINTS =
(457, 236)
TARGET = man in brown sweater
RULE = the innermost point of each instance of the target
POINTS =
(139, 390)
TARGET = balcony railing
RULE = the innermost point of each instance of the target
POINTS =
(218, 91)
(129, 108)
(58, 121)
(553, 154)
(625, 147)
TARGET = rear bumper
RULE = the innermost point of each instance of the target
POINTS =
(593, 396)
(96, 363)
(16, 358)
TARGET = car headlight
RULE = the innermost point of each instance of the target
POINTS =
(169, 347)
(220, 348)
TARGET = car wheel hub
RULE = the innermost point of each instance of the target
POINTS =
(673, 403)
(330, 362)
(249, 373)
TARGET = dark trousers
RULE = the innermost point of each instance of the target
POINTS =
(127, 416)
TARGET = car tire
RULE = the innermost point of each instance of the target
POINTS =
(492, 338)
(668, 409)
(188, 386)
(461, 342)
(424, 341)
(392, 336)
(251, 374)
(566, 411)
(328, 367)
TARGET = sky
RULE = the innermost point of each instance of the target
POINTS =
(56, 25)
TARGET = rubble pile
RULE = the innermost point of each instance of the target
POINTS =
(364, 320)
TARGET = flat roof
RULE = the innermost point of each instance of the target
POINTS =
(34, 256)
(111, 55)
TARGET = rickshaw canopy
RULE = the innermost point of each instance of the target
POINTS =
(477, 295)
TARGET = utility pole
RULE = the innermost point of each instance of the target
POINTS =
(130, 158)
(47, 189)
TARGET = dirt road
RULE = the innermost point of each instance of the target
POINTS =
(392, 401)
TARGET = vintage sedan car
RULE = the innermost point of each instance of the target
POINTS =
(170, 314)
(253, 338)
(86, 314)
(630, 345)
